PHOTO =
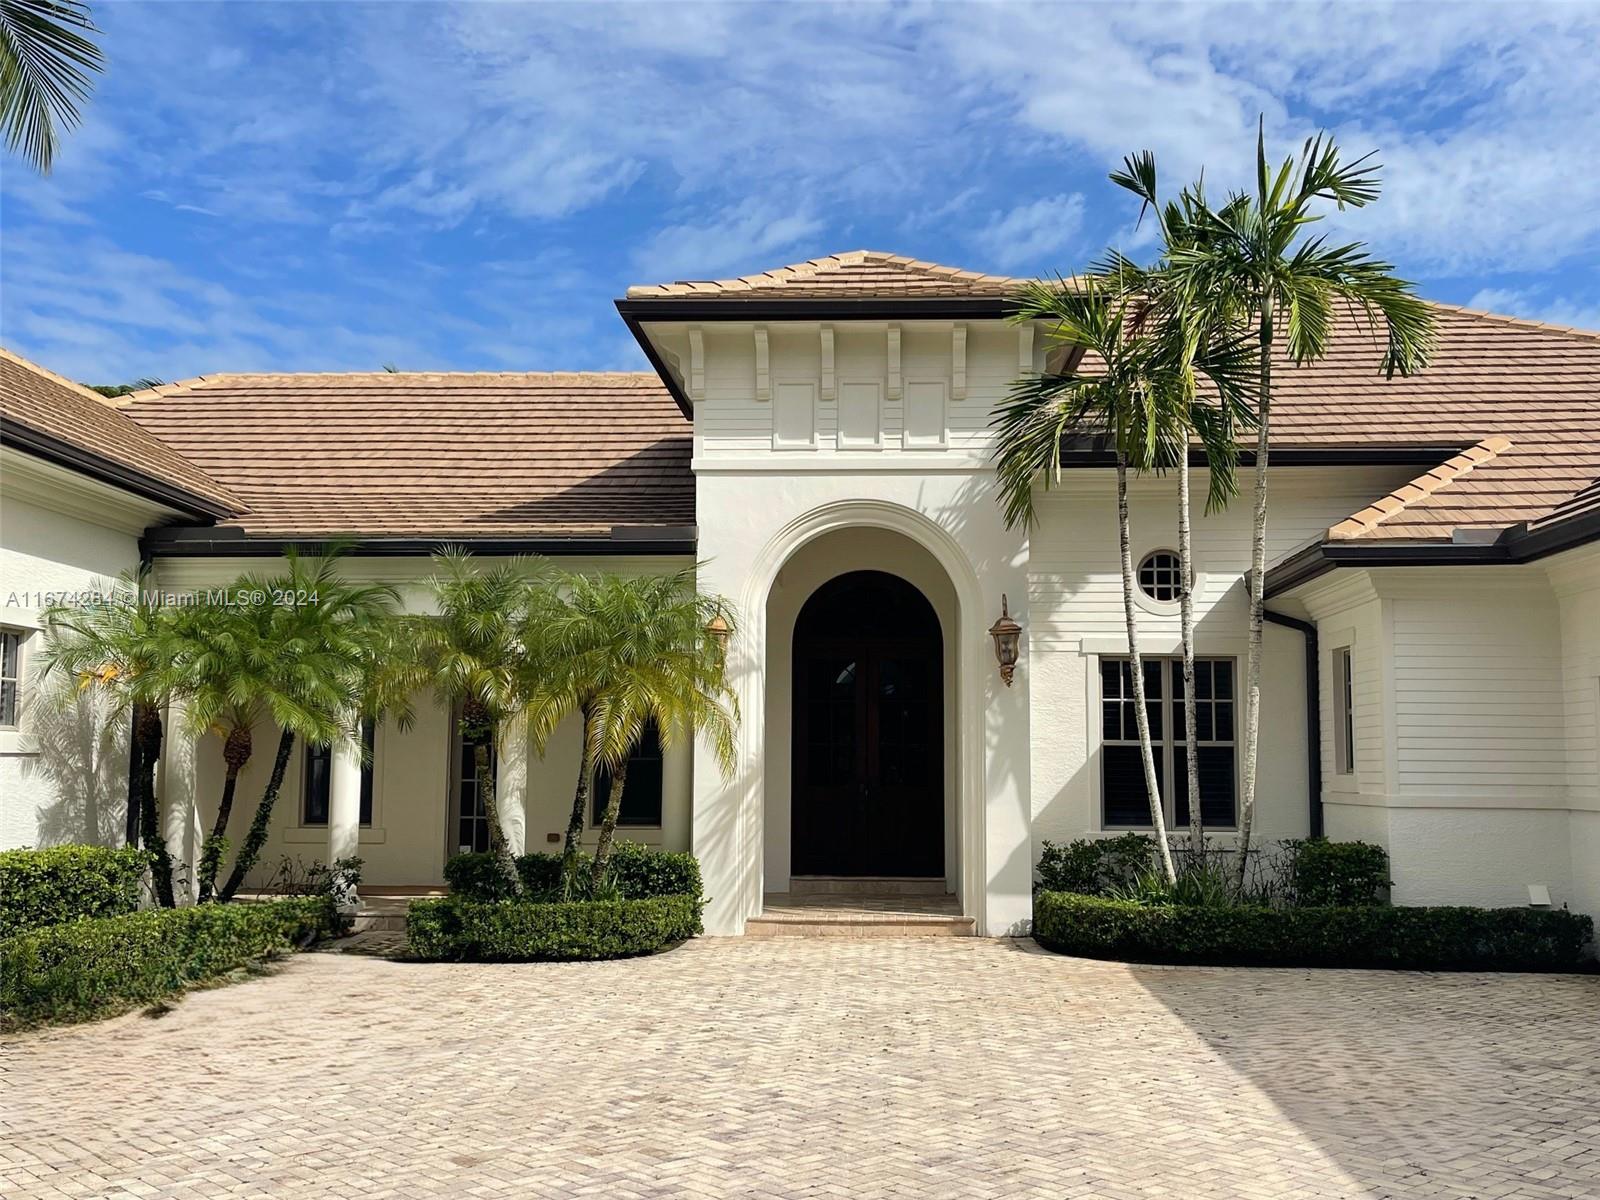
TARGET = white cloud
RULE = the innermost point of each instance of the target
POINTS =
(1555, 310)
(749, 237)
(1033, 235)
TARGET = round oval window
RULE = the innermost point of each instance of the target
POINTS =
(1159, 577)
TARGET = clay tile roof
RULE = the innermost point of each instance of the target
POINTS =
(853, 274)
(44, 413)
(455, 455)
(1524, 397)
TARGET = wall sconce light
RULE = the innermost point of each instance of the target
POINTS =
(1006, 634)
(719, 631)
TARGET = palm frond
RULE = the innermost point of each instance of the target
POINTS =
(45, 61)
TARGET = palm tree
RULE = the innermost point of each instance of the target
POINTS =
(310, 640)
(1141, 398)
(44, 64)
(1214, 417)
(476, 656)
(635, 652)
(1249, 265)
(236, 674)
(118, 646)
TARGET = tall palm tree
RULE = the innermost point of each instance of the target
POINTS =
(1215, 417)
(635, 652)
(119, 646)
(475, 654)
(1138, 394)
(1249, 264)
(45, 61)
(324, 635)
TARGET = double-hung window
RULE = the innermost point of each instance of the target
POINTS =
(1124, 799)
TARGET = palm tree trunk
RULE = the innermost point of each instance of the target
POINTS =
(235, 753)
(489, 801)
(580, 797)
(147, 732)
(1257, 582)
(135, 773)
(608, 825)
(257, 837)
(1158, 818)
(1191, 740)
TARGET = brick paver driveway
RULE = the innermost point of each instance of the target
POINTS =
(959, 1068)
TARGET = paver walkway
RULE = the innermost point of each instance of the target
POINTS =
(773, 1068)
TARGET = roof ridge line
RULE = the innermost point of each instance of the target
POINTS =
(82, 389)
(1358, 524)
(196, 381)
(1520, 322)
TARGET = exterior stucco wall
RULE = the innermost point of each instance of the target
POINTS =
(752, 522)
(808, 569)
(409, 838)
(63, 772)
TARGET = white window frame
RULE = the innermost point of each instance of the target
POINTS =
(1173, 737)
(1344, 705)
(20, 679)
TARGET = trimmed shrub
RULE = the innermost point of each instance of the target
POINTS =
(1341, 874)
(1095, 866)
(638, 873)
(1417, 939)
(457, 929)
(477, 877)
(39, 888)
(94, 968)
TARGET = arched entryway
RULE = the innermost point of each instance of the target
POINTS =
(868, 761)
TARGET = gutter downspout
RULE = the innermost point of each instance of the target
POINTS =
(1313, 715)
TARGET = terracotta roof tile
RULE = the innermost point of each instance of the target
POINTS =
(435, 455)
(40, 401)
(855, 273)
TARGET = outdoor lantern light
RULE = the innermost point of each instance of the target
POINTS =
(719, 630)
(1006, 633)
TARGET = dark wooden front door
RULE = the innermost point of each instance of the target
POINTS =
(868, 766)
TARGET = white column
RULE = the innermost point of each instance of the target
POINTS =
(344, 806)
(511, 787)
(176, 804)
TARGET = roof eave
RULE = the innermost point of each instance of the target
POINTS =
(182, 541)
(1516, 545)
(62, 453)
(814, 308)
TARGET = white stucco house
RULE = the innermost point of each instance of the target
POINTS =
(817, 439)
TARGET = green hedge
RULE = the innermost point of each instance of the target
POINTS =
(638, 872)
(94, 968)
(457, 929)
(39, 888)
(1421, 939)
(1339, 874)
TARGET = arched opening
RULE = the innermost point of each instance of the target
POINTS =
(867, 756)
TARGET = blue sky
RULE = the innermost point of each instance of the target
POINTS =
(317, 186)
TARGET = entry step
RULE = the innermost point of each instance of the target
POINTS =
(860, 916)
(858, 885)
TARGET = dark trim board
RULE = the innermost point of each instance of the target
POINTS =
(182, 541)
(1292, 456)
(63, 454)
(1516, 545)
